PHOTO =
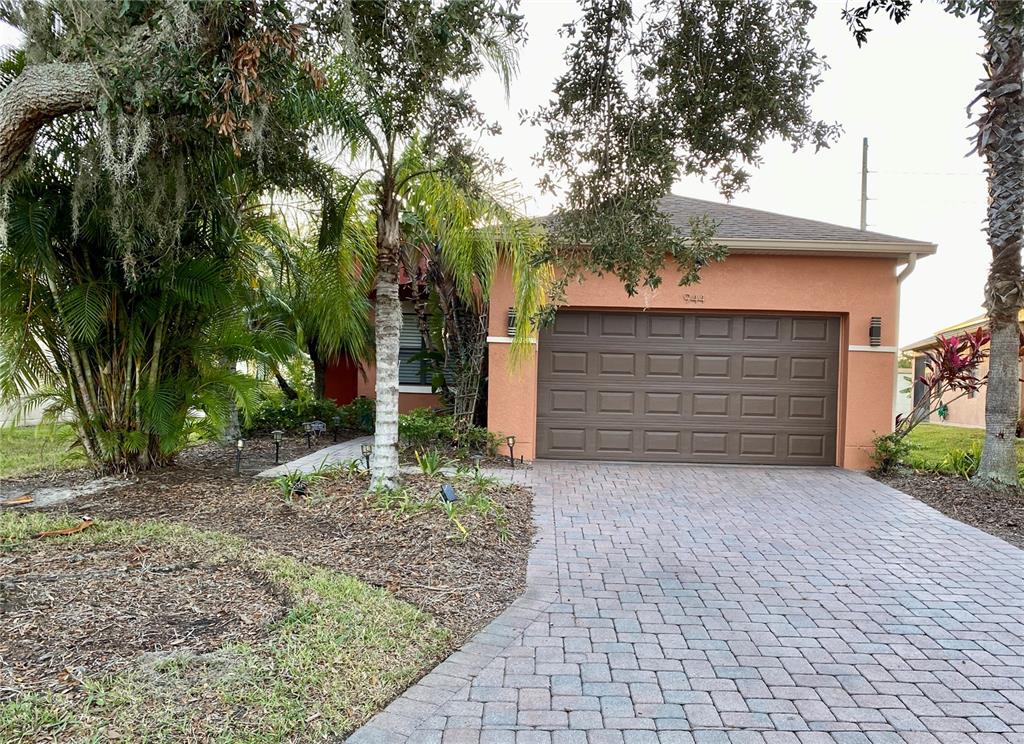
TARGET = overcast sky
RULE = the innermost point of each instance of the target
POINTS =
(906, 91)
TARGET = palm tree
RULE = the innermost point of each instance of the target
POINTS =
(455, 235)
(130, 354)
(406, 70)
(1000, 140)
(322, 278)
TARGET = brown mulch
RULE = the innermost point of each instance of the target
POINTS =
(71, 611)
(997, 511)
(462, 584)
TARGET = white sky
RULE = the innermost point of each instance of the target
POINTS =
(906, 91)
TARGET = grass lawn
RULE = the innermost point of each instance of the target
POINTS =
(338, 651)
(933, 441)
(29, 449)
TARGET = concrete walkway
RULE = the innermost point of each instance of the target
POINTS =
(672, 604)
(337, 454)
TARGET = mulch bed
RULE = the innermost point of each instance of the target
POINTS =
(464, 585)
(71, 611)
(997, 511)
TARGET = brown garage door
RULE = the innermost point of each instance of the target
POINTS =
(689, 388)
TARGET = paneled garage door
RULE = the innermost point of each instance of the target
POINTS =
(689, 388)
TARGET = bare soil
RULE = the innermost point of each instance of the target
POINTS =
(997, 511)
(70, 611)
(463, 584)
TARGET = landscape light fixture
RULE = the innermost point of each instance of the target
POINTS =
(278, 435)
(308, 428)
(299, 489)
(875, 331)
(238, 456)
(367, 450)
(336, 423)
(511, 442)
(476, 463)
(448, 494)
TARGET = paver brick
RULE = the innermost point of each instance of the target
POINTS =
(698, 605)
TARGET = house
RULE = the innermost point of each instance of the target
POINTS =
(968, 410)
(784, 353)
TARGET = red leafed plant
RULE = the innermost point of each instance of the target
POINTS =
(950, 368)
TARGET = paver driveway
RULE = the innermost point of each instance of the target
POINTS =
(747, 605)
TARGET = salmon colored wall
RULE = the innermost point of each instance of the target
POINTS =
(406, 401)
(853, 288)
(968, 411)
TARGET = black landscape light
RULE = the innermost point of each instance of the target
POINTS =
(308, 428)
(278, 435)
(367, 450)
(448, 494)
(511, 442)
(299, 489)
(336, 423)
(238, 456)
(476, 463)
(318, 428)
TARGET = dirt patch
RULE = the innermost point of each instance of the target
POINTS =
(72, 611)
(997, 511)
(419, 557)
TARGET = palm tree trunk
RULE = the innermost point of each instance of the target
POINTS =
(387, 330)
(319, 369)
(999, 138)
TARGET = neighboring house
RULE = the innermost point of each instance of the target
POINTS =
(785, 353)
(968, 410)
(904, 390)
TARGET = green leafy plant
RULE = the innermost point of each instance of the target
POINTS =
(289, 415)
(890, 450)
(423, 429)
(962, 462)
(431, 462)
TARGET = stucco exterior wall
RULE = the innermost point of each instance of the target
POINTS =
(407, 400)
(852, 288)
(967, 411)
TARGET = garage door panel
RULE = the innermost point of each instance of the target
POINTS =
(689, 388)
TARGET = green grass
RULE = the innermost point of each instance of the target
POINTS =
(343, 651)
(932, 442)
(29, 449)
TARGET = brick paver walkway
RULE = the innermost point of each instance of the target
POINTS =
(673, 604)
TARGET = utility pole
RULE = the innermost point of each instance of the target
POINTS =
(864, 185)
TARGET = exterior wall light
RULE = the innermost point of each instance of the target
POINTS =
(875, 332)
(278, 435)
(511, 322)
(367, 450)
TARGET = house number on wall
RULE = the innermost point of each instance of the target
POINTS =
(695, 298)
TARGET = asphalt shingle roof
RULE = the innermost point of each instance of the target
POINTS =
(757, 224)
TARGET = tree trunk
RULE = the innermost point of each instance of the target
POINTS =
(1000, 139)
(319, 370)
(36, 97)
(286, 388)
(387, 329)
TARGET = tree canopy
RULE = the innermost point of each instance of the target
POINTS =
(668, 90)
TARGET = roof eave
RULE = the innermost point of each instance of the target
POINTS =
(895, 249)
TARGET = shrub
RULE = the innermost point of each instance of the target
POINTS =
(962, 462)
(289, 415)
(890, 450)
(423, 429)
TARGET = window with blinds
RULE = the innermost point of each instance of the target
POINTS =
(411, 372)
